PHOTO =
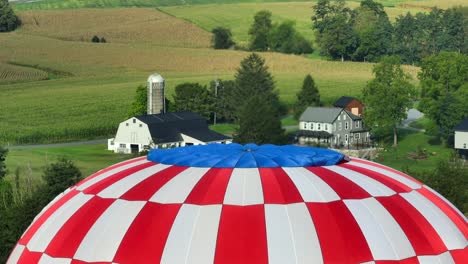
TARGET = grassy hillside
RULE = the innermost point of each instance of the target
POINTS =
(99, 80)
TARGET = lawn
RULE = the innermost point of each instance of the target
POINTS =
(88, 158)
(412, 142)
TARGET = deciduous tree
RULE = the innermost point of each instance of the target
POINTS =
(193, 97)
(388, 96)
(260, 30)
(222, 38)
(140, 101)
(60, 175)
(8, 20)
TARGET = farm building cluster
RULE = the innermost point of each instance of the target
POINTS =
(161, 129)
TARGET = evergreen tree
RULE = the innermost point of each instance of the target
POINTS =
(260, 30)
(193, 97)
(95, 39)
(388, 96)
(3, 154)
(307, 96)
(259, 123)
(222, 38)
(253, 78)
(335, 33)
(140, 102)
(8, 20)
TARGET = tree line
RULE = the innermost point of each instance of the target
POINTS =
(266, 36)
(366, 34)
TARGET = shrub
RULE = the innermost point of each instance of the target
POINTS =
(222, 38)
(95, 39)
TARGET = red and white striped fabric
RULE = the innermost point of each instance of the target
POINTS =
(140, 211)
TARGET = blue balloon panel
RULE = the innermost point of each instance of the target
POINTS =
(246, 156)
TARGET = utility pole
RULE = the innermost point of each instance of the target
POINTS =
(216, 99)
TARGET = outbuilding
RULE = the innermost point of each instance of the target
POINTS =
(165, 130)
(461, 137)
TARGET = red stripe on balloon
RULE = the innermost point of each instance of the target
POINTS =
(391, 183)
(422, 236)
(39, 221)
(144, 190)
(146, 237)
(456, 218)
(460, 256)
(344, 187)
(211, 188)
(68, 239)
(115, 166)
(341, 239)
(242, 235)
(108, 181)
(29, 256)
(412, 260)
(278, 188)
(386, 168)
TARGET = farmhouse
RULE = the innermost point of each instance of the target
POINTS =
(159, 129)
(334, 126)
(351, 104)
(461, 137)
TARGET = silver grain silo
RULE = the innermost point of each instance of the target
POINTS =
(156, 94)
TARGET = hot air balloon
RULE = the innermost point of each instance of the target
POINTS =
(246, 204)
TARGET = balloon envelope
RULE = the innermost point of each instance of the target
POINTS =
(246, 204)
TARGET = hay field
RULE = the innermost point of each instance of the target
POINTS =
(13, 73)
(92, 102)
(130, 25)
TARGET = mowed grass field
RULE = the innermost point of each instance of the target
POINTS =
(239, 16)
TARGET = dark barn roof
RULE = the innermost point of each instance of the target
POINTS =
(343, 101)
(463, 126)
(168, 127)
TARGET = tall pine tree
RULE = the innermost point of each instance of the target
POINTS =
(308, 96)
(259, 123)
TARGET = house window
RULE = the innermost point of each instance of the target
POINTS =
(346, 138)
(126, 124)
(311, 126)
(464, 145)
(344, 117)
(357, 136)
(346, 125)
(141, 125)
(305, 125)
(134, 120)
(357, 124)
(326, 127)
(339, 117)
(339, 126)
(123, 145)
(318, 126)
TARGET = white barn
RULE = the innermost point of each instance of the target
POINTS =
(461, 137)
(166, 130)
